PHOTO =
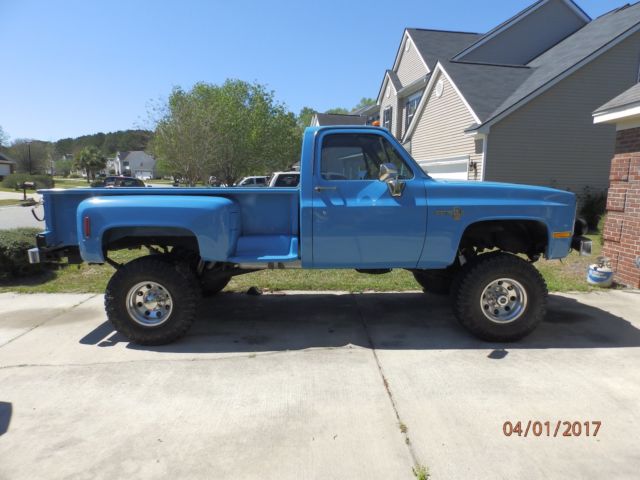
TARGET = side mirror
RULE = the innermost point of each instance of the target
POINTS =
(389, 175)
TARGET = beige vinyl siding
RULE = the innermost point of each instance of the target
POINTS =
(439, 133)
(411, 67)
(552, 140)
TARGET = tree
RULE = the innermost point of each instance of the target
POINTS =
(228, 131)
(31, 156)
(305, 116)
(4, 138)
(91, 160)
(364, 102)
(63, 167)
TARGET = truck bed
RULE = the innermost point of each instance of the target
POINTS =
(266, 229)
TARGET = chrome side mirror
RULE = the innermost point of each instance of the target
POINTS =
(389, 175)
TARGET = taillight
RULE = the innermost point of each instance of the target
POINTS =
(86, 223)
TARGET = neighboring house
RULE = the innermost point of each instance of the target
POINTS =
(136, 164)
(514, 104)
(7, 166)
(622, 228)
(371, 113)
(322, 119)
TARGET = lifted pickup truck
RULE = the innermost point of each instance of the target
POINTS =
(363, 203)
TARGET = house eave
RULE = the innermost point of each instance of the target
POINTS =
(615, 115)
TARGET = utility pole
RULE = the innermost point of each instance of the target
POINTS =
(29, 145)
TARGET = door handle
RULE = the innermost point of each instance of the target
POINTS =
(320, 189)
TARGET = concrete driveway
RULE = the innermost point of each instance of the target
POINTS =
(317, 386)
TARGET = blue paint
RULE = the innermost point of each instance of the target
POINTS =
(352, 224)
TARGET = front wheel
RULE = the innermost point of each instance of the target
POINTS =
(500, 297)
(152, 301)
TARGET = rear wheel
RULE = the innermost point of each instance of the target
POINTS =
(499, 297)
(152, 301)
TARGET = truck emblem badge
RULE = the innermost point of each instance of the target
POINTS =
(455, 213)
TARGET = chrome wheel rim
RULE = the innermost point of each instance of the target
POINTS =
(149, 304)
(503, 300)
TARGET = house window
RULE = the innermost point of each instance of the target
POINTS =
(410, 108)
(386, 118)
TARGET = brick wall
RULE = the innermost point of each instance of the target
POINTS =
(622, 228)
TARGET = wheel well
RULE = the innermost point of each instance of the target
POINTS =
(515, 236)
(128, 237)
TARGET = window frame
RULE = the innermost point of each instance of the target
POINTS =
(406, 160)
(412, 99)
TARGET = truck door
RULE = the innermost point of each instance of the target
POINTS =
(357, 221)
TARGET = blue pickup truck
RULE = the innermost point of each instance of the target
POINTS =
(362, 203)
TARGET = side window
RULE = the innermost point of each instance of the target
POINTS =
(386, 118)
(351, 156)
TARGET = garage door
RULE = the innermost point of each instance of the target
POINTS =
(456, 168)
(4, 170)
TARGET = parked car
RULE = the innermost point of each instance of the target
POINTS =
(253, 181)
(118, 181)
(285, 179)
(363, 204)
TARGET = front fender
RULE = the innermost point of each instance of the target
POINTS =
(213, 221)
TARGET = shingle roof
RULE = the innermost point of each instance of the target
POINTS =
(435, 45)
(393, 76)
(627, 97)
(521, 83)
(485, 86)
(339, 119)
(5, 159)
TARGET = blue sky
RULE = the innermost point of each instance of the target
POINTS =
(79, 67)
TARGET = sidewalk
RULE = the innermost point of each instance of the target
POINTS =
(315, 385)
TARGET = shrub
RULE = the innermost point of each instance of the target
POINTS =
(593, 206)
(15, 180)
(14, 261)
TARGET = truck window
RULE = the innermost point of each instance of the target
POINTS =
(357, 156)
(287, 180)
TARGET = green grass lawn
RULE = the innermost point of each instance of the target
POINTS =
(566, 275)
(62, 182)
(9, 202)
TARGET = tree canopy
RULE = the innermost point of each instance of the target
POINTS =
(91, 160)
(4, 138)
(107, 143)
(228, 131)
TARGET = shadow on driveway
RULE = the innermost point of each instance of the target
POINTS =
(241, 323)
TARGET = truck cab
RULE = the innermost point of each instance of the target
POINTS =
(362, 203)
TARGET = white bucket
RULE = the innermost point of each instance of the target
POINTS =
(600, 275)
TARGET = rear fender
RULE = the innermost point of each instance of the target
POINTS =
(213, 221)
